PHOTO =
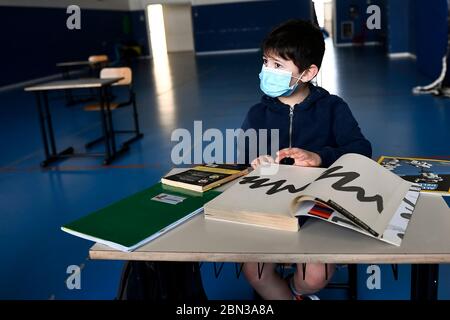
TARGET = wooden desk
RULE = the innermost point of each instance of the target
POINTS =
(73, 84)
(45, 120)
(82, 63)
(66, 67)
(74, 64)
(427, 241)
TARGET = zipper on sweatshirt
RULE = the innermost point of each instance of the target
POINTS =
(291, 117)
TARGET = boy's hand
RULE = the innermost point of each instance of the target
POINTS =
(301, 157)
(262, 160)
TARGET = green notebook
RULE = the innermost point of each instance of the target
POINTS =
(140, 218)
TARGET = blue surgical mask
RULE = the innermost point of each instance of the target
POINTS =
(275, 83)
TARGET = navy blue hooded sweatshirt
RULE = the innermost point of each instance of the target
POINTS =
(322, 123)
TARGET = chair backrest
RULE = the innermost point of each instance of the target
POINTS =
(98, 58)
(124, 72)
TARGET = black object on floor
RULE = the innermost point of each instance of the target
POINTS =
(161, 281)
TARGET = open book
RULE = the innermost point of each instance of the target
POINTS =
(355, 192)
(433, 175)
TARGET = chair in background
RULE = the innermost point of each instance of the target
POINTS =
(98, 58)
(126, 74)
(97, 62)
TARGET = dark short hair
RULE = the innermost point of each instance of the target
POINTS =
(296, 40)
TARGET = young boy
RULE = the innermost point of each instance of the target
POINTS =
(315, 129)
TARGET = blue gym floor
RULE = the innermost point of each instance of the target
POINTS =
(218, 90)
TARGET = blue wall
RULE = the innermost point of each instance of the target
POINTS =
(242, 25)
(400, 34)
(359, 23)
(139, 30)
(419, 27)
(35, 39)
(431, 35)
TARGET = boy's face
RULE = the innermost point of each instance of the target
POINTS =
(274, 61)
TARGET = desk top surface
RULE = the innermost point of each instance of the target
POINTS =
(427, 240)
(75, 63)
(73, 84)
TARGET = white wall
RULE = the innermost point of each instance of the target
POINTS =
(328, 7)
(178, 26)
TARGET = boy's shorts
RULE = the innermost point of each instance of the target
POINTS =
(288, 269)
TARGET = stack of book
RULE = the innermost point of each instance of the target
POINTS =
(205, 177)
(134, 221)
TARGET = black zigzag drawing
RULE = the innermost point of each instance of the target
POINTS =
(347, 177)
(257, 182)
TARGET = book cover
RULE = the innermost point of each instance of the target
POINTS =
(140, 218)
(433, 175)
(205, 177)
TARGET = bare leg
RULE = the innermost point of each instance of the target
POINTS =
(270, 286)
(316, 278)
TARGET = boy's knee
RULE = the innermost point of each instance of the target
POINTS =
(255, 274)
(312, 282)
(315, 279)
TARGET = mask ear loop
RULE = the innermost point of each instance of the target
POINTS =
(298, 78)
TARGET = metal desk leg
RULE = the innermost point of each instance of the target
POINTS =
(68, 93)
(105, 127)
(48, 117)
(110, 122)
(47, 133)
(42, 126)
(112, 134)
(135, 116)
(424, 281)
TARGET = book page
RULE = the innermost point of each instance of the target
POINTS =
(262, 192)
(362, 187)
(393, 234)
